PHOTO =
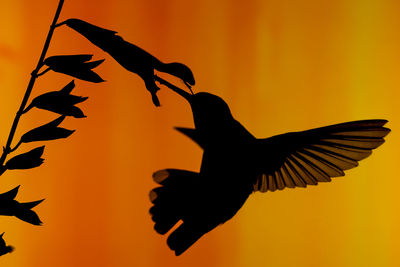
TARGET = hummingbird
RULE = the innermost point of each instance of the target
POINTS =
(235, 164)
(4, 249)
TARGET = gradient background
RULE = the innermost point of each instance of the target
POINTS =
(281, 65)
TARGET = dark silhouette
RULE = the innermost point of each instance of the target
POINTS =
(74, 65)
(28, 160)
(130, 56)
(235, 164)
(47, 132)
(4, 249)
(23, 211)
(61, 102)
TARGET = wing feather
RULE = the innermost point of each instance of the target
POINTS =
(318, 173)
(304, 158)
(289, 182)
(280, 184)
(300, 182)
(264, 183)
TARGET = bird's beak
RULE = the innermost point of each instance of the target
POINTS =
(183, 93)
(178, 90)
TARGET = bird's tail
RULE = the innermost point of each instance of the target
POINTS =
(173, 201)
(178, 70)
(170, 197)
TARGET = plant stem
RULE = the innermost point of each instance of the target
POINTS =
(16, 146)
(43, 72)
(34, 75)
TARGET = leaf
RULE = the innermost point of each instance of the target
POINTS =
(61, 102)
(75, 66)
(47, 132)
(11, 207)
(9, 195)
(27, 160)
(4, 249)
(66, 60)
(30, 205)
(86, 75)
(68, 88)
(28, 215)
(94, 64)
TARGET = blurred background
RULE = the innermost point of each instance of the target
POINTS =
(281, 65)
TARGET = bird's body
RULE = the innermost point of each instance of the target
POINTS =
(226, 166)
(226, 163)
(226, 176)
(235, 164)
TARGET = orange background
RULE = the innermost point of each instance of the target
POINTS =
(282, 65)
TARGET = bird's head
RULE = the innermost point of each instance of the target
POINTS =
(210, 107)
(210, 112)
(181, 71)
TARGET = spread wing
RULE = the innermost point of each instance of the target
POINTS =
(304, 158)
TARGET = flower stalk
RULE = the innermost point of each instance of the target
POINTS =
(34, 75)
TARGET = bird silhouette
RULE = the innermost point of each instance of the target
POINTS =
(235, 164)
(4, 249)
(130, 56)
(11, 207)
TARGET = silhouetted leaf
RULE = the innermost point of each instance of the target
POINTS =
(9, 195)
(46, 132)
(130, 56)
(30, 205)
(7, 202)
(11, 207)
(67, 60)
(75, 66)
(28, 216)
(68, 88)
(4, 249)
(61, 102)
(27, 160)
(25, 213)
